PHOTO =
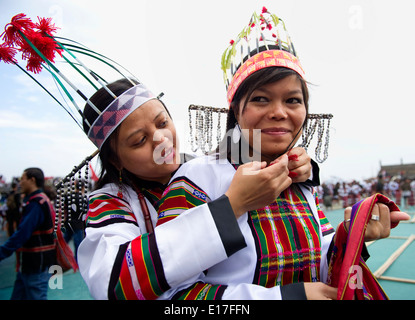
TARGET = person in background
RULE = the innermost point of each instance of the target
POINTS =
(406, 192)
(33, 240)
(13, 209)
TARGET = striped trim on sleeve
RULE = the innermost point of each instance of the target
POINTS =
(105, 209)
(141, 276)
(182, 194)
(201, 291)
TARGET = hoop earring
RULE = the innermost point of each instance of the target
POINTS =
(236, 134)
(119, 194)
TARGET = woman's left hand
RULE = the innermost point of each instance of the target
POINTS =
(379, 228)
(299, 165)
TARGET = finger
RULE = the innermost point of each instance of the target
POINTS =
(375, 213)
(296, 151)
(382, 211)
(288, 181)
(380, 221)
(293, 174)
(252, 168)
(347, 216)
(301, 166)
(283, 157)
(282, 185)
(302, 169)
(295, 164)
(293, 157)
(331, 293)
(300, 174)
(397, 216)
(282, 160)
(256, 165)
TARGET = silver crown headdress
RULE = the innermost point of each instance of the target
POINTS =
(263, 43)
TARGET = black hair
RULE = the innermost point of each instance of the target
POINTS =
(253, 82)
(37, 174)
(101, 99)
(259, 79)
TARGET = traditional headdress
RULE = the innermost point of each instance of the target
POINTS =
(78, 81)
(75, 82)
(263, 43)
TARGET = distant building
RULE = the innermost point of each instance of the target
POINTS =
(402, 170)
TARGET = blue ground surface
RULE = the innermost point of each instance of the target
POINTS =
(73, 286)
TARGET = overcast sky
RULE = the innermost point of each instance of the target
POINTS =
(358, 55)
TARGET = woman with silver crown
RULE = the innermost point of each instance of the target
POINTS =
(123, 256)
(287, 242)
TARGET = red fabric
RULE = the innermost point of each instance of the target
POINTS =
(411, 201)
(398, 197)
(64, 255)
(346, 264)
(345, 201)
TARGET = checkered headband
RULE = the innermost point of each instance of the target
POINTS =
(117, 111)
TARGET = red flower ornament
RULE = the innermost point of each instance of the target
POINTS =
(46, 45)
(46, 26)
(7, 54)
(19, 22)
(34, 64)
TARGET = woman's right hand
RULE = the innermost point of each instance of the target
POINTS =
(255, 185)
(319, 291)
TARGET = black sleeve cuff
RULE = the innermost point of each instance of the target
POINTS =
(116, 270)
(316, 174)
(365, 253)
(294, 291)
(228, 228)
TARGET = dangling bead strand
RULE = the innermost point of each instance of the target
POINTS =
(86, 188)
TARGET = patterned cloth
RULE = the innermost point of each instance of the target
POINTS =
(286, 235)
(139, 278)
(116, 112)
(347, 270)
(104, 209)
(119, 259)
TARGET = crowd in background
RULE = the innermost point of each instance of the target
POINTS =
(343, 194)
(333, 195)
(11, 206)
